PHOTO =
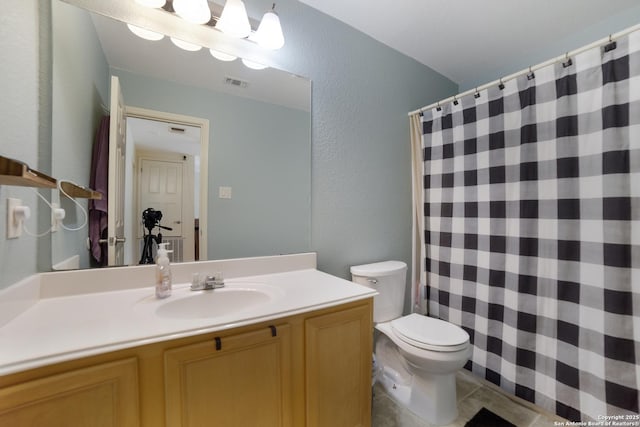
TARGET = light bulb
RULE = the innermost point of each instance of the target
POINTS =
(195, 11)
(151, 3)
(234, 20)
(253, 65)
(222, 56)
(186, 45)
(144, 33)
(269, 33)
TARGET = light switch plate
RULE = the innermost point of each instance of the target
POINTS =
(224, 192)
(13, 230)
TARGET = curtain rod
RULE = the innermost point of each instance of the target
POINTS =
(530, 69)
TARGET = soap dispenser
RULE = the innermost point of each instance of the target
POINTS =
(163, 272)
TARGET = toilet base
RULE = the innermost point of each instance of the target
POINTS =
(430, 397)
(395, 386)
(433, 398)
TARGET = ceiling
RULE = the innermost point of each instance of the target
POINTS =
(158, 135)
(464, 39)
(161, 59)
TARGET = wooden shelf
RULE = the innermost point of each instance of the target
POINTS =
(76, 191)
(15, 172)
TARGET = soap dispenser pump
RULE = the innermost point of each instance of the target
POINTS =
(163, 272)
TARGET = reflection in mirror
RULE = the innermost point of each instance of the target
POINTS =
(249, 192)
(167, 184)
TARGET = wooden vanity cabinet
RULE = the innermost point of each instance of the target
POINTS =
(101, 395)
(237, 380)
(311, 369)
(338, 368)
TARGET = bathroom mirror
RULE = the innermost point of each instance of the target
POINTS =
(257, 152)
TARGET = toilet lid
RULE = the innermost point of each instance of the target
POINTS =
(430, 333)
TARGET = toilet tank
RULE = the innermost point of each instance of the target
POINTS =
(388, 278)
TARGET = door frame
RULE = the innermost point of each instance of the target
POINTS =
(116, 222)
(203, 124)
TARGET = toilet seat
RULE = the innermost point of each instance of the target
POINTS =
(429, 333)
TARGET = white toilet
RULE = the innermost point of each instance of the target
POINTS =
(417, 356)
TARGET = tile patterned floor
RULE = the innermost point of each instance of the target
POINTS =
(473, 394)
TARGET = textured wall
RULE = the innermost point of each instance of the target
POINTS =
(361, 173)
(19, 87)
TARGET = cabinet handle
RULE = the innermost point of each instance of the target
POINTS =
(218, 343)
(274, 331)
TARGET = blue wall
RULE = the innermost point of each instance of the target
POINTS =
(361, 158)
(261, 150)
(19, 120)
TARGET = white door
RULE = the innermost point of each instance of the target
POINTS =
(161, 189)
(117, 153)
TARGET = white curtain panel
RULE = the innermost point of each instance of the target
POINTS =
(418, 274)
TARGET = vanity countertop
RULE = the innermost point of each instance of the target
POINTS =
(72, 326)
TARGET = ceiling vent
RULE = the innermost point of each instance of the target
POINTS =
(236, 82)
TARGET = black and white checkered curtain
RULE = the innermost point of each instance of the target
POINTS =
(532, 209)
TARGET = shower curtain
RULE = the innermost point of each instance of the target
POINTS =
(532, 239)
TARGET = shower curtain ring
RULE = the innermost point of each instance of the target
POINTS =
(477, 94)
(501, 85)
(531, 75)
(611, 45)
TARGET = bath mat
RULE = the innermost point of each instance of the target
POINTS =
(486, 418)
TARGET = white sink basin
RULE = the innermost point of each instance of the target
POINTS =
(233, 298)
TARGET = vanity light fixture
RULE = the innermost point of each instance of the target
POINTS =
(194, 11)
(222, 56)
(185, 45)
(269, 33)
(253, 65)
(234, 21)
(144, 33)
(152, 3)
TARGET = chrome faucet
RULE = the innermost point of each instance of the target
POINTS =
(208, 282)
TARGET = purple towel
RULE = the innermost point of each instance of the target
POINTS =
(99, 181)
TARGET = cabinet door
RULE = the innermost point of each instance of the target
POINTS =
(238, 380)
(338, 368)
(102, 395)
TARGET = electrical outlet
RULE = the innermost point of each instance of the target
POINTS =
(14, 229)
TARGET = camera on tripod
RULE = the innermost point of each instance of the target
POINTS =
(151, 219)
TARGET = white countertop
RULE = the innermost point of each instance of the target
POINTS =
(72, 326)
